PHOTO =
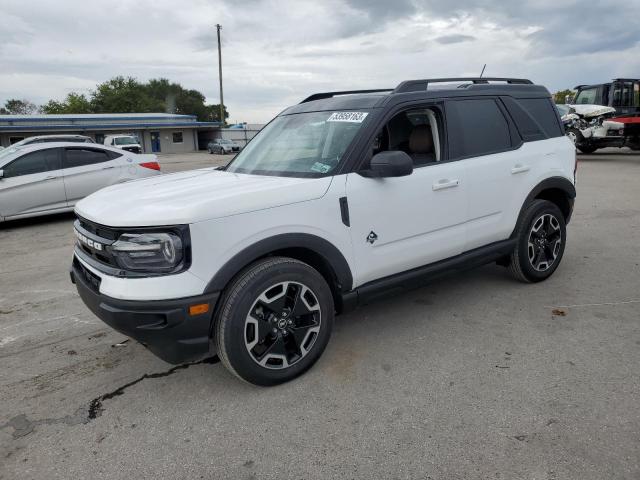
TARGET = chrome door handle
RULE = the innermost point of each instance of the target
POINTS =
(50, 178)
(520, 169)
(107, 168)
(445, 183)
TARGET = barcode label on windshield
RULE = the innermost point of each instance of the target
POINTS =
(353, 117)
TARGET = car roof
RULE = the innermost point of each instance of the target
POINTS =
(62, 135)
(415, 90)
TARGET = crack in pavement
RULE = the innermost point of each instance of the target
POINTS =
(22, 426)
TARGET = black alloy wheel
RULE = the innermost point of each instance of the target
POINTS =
(541, 237)
(274, 321)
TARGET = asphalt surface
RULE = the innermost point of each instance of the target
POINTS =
(473, 377)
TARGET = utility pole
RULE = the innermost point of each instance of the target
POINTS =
(222, 119)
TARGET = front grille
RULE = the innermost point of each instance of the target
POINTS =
(98, 230)
(100, 234)
(89, 277)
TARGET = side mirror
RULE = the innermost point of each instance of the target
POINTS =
(394, 163)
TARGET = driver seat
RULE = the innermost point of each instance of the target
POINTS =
(421, 145)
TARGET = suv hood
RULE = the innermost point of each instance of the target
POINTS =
(193, 196)
(590, 111)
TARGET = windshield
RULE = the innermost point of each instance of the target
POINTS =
(126, 141)
(225, 142)
(304, 144)
(8, 151)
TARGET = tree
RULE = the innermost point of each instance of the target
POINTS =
(19, 107)
(124, 95)
(212, 113)
(74, 103)
(561, 96)
(128, 95)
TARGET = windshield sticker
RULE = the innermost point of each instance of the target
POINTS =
(353, 117)
(320, 167)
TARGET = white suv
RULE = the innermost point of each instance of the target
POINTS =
(339, 199)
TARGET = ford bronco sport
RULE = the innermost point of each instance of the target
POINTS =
(340, 198)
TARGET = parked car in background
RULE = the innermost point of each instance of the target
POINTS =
(54, 138)
(45, 178)
(130, 143)
(591, 127)
(623, 94)
(222, 146)
(339, 199)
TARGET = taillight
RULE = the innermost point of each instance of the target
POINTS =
(151, 165)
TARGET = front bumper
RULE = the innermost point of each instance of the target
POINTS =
(164, 326)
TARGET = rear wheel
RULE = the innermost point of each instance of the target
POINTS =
(541, 237)
(210, 151)
(275, 321)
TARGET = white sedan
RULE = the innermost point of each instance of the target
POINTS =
(44, 178)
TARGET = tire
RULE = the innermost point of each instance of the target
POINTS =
(274, 321)
(538, 232)
(579, 141)
(587, 148)
(210, 151)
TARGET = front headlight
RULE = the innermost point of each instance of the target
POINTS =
(149, 252)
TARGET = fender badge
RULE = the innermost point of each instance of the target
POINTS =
(372, 237)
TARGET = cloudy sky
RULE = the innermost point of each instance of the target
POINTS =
(277, 52)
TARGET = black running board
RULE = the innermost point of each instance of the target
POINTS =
(420, 276)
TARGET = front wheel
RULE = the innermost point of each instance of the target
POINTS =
(579, 141)
(541, 236)
(274, 322)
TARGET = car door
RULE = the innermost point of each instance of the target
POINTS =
(87, 170)
(398, 224)
(32, 183)
(483, 138)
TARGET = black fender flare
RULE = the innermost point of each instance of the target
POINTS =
(321, 247)
(558, 183)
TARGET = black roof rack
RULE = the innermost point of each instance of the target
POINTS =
(320, 96)
(418, 85)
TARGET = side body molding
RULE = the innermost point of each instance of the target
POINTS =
(329, 254)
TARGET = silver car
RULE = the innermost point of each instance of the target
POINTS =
(44, 178)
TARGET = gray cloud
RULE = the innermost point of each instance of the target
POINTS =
(449, 39)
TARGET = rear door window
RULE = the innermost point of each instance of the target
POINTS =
(477, 127)
(35, 162)
(80, 157)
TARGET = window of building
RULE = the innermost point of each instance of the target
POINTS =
(477, 127)
(177, 137)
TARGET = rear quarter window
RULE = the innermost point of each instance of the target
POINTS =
(544, 113)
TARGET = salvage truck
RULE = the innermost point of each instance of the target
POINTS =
(605, 115)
